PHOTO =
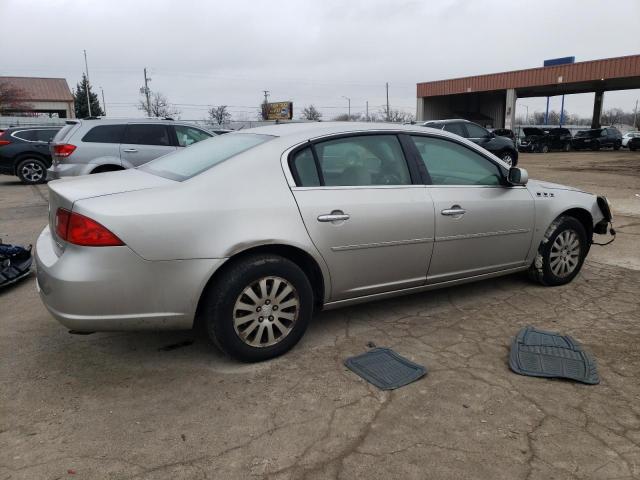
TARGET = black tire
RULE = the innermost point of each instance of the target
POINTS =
(617, 146)
(544, 149)
(217, 312)
(541, 269)
(31, 171)
(632, 148)
(595, 146)
(566, 147)
(508, 157)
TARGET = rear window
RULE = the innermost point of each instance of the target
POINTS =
(104, 134)
(65, 131)
(147, 134)
(188, 163)
(29, 135)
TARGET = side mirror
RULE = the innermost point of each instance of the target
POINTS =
(518, 176)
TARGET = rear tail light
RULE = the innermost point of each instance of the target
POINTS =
(4, 142)
(63, 150)
(80, 230)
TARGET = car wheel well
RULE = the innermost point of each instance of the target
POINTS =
(298, 256)
(107, 168)
(584, 217)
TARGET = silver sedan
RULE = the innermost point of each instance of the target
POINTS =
(248, 233)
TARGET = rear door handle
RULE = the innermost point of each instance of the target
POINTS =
(454, 211)
(130, 150)
(335, 216)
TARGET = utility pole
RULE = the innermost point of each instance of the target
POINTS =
(388, 112)
(146, 91)
(348, 100)
(266, 96)
(265, 110)
(367, 110)
(635, 116)
(86, 85)
(104, 105)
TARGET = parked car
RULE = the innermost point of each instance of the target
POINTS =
(220, 131)
(634, 143)
(544, 140)
(628, 136)
(596, 138)
(24, 152)
(502, 147)
(505, 132)
(247, 234)
(100, 145)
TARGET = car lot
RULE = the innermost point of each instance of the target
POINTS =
(167, 405)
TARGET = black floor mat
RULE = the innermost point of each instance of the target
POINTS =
(538, 353)
(11, 270)
(385, 368)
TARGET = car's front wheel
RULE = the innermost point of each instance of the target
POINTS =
(544, 149)
(561, 252)
(259, 308)
(566, 147)
(508, 157)
(31, 171)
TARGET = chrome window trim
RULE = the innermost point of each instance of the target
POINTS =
(14, 134)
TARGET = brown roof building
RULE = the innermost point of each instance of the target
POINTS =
(492, 97)
(50, 96)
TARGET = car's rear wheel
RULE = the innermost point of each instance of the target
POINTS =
(595, 146)
(259, 308)
(617, 146)
(561, 253)
(544, 149)
(31, 171)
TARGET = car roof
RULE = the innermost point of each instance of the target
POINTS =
(448, 120)
(319, 129)
(33, 127)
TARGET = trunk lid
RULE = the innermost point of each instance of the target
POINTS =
(65, 192)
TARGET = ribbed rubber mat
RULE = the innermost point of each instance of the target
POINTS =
(385, 368)
(539, 353)
(11, 272)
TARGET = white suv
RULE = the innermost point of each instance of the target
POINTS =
(100, 145)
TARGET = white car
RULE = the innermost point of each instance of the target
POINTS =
(628, 136)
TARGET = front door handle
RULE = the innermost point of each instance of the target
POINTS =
(130, 150)
(454, 211)
(335, 216)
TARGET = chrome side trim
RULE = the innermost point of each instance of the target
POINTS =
(392, 243)
(422, 288)
(484, 234)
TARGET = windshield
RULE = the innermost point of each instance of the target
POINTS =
(191, 161)
(532, 131)
(588, 133)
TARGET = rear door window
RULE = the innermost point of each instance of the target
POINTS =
(104, 134)
(363, 161)
(304, 168)
(190, 135)
(147, 134)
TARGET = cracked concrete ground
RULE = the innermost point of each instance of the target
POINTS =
(120, 406)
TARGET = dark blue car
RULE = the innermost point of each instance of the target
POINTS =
(24, 152)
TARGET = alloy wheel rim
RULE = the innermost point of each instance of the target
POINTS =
(266, 311)
(565, 254)
(32, 171)
(507, 159)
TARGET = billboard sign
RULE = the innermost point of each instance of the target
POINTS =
(278, 111)
(552, 62)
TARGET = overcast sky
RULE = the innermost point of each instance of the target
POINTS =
(201, 53)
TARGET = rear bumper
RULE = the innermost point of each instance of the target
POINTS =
(112, 288)
(61, 170)
(530, 147)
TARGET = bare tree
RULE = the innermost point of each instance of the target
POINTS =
(219, 115)
(12, 98)
(159, 106)
(310, 113)
(344, 117)
(396, 116)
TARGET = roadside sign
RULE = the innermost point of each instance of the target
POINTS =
(279, 110)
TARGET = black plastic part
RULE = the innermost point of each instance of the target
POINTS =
(385, 368)
(15, 263)
(539, 353)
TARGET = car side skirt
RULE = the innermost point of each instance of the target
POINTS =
(422, 288)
